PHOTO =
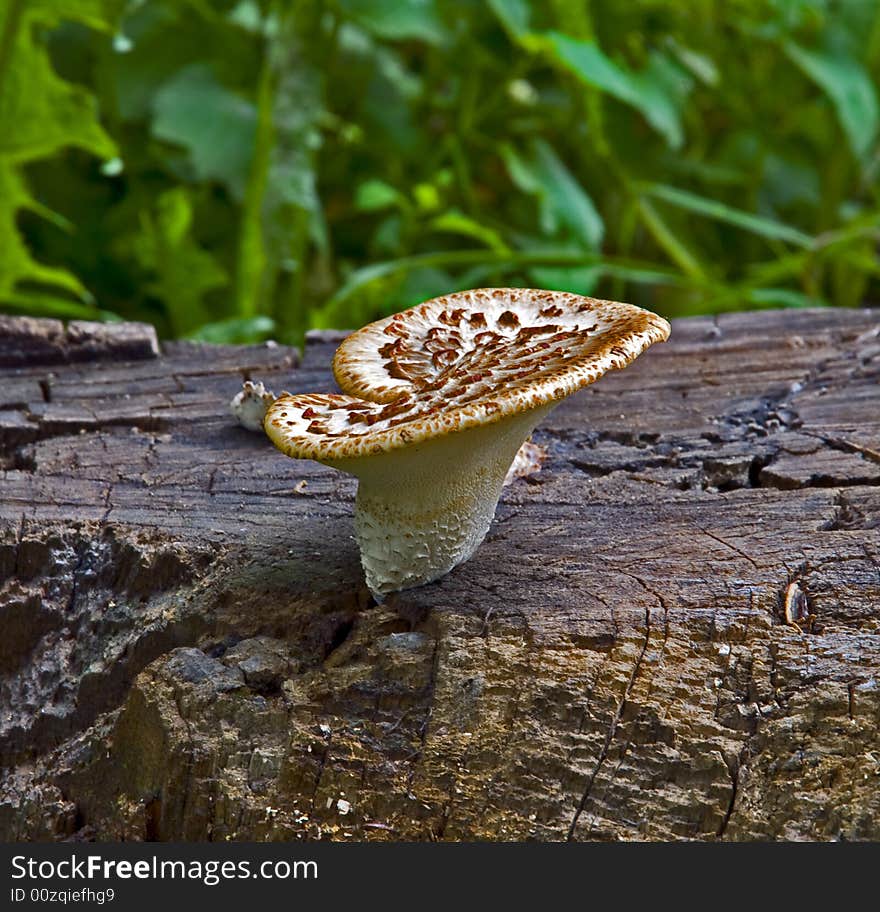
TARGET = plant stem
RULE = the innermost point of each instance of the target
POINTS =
(10, 29)
(663, 235)
(251, 247)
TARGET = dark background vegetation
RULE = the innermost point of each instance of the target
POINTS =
(238, 169)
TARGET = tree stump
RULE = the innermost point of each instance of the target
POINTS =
(670, 632)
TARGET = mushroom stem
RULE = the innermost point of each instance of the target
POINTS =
(422, 510)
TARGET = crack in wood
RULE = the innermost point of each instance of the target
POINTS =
(612, 729)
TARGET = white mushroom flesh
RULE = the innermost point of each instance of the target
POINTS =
(424, 509)
(250, 404)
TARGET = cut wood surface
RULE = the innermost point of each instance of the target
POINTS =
(671, 631)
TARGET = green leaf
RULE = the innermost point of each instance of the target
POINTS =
(786, 182)
(399, 21)
(216, 126)
(702, 66)
(564, 205)
(587, 61)
(454, 222)
(40, 114)
(846, 82)
(282, 214)
(657, 92)
(675, 248)
(641, 275)
(662, 89)
(580, 280)
(247, 14)
(783, 297)
(183, 272)
(235, 331)
(388, 237)
(48, 113)
(374, 195)
(418, 285)
(16, 263)
(159, 45)
(755, 224)
(514, 15)
(101, 15)
(38, 304)
(359, 280)
(426, 196)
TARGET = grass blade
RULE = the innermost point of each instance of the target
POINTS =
(721, 212)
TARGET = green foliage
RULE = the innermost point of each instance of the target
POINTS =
(233, 170)
(40, 114)
(657, 91)
(183, 272)
(847, 84)
(563, 205)
(215, 126)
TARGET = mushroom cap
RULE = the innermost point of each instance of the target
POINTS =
(459, 361)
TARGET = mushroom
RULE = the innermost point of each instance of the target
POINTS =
(250, 405)
(437, 401)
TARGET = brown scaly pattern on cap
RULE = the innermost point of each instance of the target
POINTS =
(455, 362)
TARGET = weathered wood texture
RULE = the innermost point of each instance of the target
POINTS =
(188, 652)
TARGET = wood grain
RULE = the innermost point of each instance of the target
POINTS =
(189, 652)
